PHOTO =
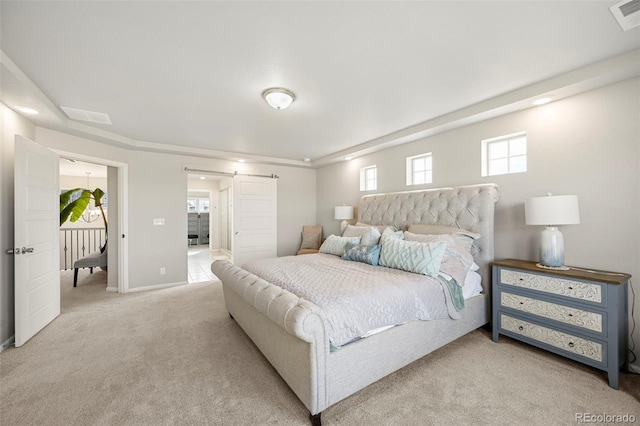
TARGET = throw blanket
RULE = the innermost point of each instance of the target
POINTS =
(357, 297)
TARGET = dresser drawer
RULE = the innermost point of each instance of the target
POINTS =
(577, 345)
(565, 314)
(554, 285)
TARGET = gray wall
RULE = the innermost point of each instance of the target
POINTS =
(586, 145)
(158, 189)
(11, 124)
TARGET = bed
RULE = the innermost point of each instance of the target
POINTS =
(295, 336)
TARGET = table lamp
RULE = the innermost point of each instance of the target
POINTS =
(551, 211)
(343, 213)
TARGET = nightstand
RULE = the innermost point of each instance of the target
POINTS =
(577, 314)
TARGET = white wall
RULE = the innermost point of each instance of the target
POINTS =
(587, 145)
(11, 124)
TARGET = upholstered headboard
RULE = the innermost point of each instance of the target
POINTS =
(467, 207)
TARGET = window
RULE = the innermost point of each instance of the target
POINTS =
(419, 169)
(368, 178)
(203, 205)
(504, 154)
(197, 205)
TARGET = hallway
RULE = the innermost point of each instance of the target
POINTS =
(199, 263)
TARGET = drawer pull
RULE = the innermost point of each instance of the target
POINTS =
(571, 344)
(521, 328)
(522, 303)
(570, 288)
(570, 314)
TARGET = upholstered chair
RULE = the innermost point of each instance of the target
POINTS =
(311, 239)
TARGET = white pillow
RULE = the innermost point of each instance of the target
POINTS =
(368, 234)
(336, 245)
(457, 260)
(390, 233)
(380, 228)
(472, 285)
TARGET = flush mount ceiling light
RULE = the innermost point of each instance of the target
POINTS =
(278, 98)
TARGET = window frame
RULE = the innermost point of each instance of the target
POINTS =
(365, 179)
(486, 161)
(411, 171)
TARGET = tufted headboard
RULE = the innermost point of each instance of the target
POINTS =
(467, 207)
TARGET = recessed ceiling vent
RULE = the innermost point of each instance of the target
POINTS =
(90, 116)
(627, 13)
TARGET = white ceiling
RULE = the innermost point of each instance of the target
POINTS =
(186, 77)
(80, 168)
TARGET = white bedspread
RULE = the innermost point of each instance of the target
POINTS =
(356, 297)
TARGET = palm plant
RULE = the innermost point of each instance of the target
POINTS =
(73, 210)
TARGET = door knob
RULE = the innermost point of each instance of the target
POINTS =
(26, 250)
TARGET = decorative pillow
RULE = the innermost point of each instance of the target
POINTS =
(362, 253)
(310, 240)
(462, 236)
(390, 233)
(457, 260)
(412, 256)
(335, 244)
(380, 228)
(368, 234)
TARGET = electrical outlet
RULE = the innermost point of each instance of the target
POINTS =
(163, 271)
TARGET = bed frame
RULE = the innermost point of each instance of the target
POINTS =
(291, 333)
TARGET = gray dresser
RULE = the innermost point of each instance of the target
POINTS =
(577, 314)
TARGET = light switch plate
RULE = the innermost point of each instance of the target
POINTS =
(158, 220)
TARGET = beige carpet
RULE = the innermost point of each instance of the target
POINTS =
(174, 357)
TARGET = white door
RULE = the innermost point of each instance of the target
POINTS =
(36, 245)
(225, 231)
(255, 221)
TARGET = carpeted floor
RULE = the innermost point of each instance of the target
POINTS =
(174, 357)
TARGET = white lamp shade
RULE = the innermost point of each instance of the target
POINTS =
(343, 212)
(552, 210)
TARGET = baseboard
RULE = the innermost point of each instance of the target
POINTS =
(112, 289)
(7, 343)
(156, 286)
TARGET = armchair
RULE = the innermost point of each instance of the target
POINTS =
(92, 260)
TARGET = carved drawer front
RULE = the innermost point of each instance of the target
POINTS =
(564, 287)
(578, 317)
(576, 345)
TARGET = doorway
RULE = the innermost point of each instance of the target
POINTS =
(88, 235)
(113, 176)
(204, 226)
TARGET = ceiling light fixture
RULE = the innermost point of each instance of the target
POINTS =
(27, 110)
(278, 98)
(347, 158)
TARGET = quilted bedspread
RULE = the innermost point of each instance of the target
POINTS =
(356, 297)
